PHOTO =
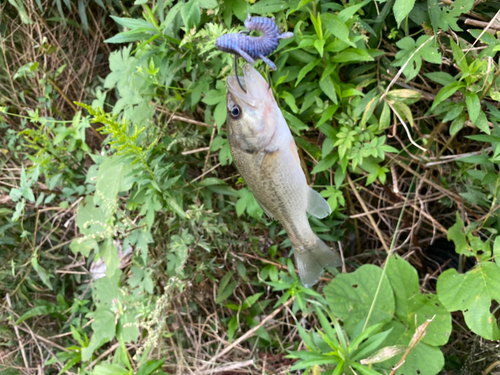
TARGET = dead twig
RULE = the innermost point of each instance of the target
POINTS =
(247, 335)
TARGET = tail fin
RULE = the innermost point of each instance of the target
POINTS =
(311, 262)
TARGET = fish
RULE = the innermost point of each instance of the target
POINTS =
(266, 156)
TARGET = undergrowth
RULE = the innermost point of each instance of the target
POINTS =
(131, 245)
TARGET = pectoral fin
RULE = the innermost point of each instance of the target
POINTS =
(317, 206)
(268, 213)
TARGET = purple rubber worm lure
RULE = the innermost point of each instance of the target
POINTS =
(252, 48)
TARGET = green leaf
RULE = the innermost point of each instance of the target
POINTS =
(402, 8)
(409, 56)
(457, 124)
(351, 295)
(109, 253)
(404, 95)
(423, 359)
(250, 301)
(328, 87)
(296, 125)
(457, 235)
(442, 78)
(473, 105)
(191, 14)
(290, 100)
(459, 57)
(404, 281)
(111, 180)
(325, 163)
(352, 55)
(39, 311)
(472, 293)
(327, 115)
(268, 7)
(232, 327)
(104, 331)
(306, 69)
(226, 288)
(446, 92)
(109, 369)
(337, 27)
(496, 250)
(220, 114)
(482, 123)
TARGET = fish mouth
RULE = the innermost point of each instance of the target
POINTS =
(256, 86)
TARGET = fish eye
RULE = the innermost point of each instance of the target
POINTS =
(235, 112)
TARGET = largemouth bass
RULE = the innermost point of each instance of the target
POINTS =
(265, 153)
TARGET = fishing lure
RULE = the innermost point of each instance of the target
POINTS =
(252, 48)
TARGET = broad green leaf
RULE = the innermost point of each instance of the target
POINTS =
(472, 293)
(457, 235)
(442, 78)
(39, 311)
(83, 245)
(306, 69)
(232, 327)
(290, 100)
(337, 27)
(423, 359)
(459, 57)
(428, 306)
(351, 295)
(404, 110)
(191, 14)
(473, 105)
(226, 289)
(270, 6)
(404, 281)
(446, 92)
(351, 55)
(496, 250)
(109, 253)
(250, 301)
(409, 57)
(402, 8)
(328, 114)
(325, 163)
(404, 95)
(296, 125)
(91, 220)
(109, 369)
(457, 124)
(104, 331)
(482, 123)
(112, 179)
(328, 87)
